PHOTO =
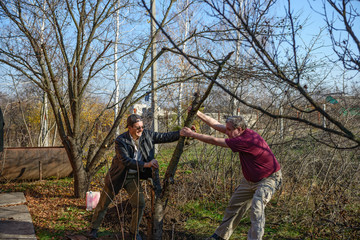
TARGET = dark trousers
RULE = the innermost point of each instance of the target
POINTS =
(133, 188)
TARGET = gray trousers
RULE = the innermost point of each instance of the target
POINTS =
(133, 188)
(249, 195)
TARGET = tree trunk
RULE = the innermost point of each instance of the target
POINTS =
(157, 208)
(81, 178)
(81, 183)
(162, 195)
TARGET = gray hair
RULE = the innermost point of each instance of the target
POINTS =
(133, 118)
(237, 121)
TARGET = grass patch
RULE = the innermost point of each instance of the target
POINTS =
(203, 216)
(204, 210)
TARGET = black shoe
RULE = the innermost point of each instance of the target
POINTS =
(93, 233)
(215, 237)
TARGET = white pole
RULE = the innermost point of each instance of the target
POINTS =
(44, 132)
(117, 89)
(183, 70)
(154, 69)
(234, 102)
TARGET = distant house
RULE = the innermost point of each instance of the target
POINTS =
(144, 110)
(139, 108)
(221, 117)
(347, 105)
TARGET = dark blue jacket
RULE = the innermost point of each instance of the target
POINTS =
(124, 158)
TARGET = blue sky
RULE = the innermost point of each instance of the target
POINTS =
(312, 10)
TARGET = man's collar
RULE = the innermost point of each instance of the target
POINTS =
(132, 139)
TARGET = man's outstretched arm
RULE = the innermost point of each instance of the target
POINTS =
(187, 132)
(211, 122)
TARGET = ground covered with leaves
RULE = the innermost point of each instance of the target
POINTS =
(57, 214)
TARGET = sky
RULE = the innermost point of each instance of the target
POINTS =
(312, 27)
(313, 11)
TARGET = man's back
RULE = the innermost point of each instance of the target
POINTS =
(257, 159)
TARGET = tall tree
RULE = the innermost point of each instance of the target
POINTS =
(281, 69)
(66, 58)
(162, 194)
(61, 59)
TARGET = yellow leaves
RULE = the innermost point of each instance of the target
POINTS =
(33, 114)
(95, 112)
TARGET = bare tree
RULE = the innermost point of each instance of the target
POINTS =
(281, 70)
(342, 27)
(43, 55)
(65, 59)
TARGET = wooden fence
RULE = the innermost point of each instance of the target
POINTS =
(34, 163)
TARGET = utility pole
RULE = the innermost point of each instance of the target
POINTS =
(235, 85)
(154, 106)
(117, 89)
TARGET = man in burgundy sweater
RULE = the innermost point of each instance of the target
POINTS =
(261, 170)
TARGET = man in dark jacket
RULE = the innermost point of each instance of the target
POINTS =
(134, 160)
